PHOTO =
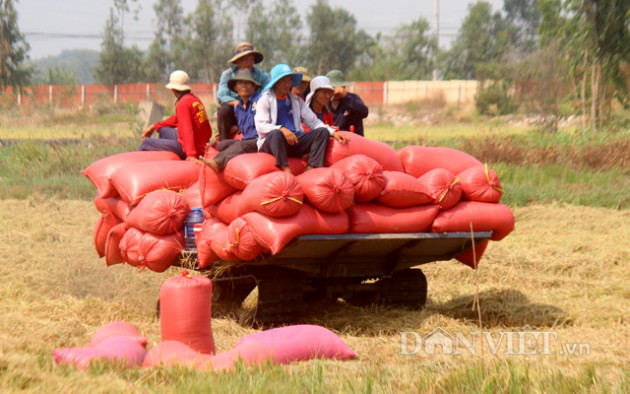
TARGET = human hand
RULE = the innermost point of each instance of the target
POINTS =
(340, 137)
(289, 135)
(146, 133)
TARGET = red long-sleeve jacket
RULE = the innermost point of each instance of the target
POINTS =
(192, 124)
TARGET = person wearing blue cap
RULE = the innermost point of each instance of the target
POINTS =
(279, 117)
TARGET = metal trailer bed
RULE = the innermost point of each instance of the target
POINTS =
(360, 268)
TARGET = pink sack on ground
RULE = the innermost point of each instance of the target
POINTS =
(114, 205)
(186, 311)
(442, 186)
(129, 246)
(276, 194)
(118, 329)
(402, 190)
(480, 183)
(112, 245)
(483, 216)
(357, 145)
(275, 233)
(134, 181)
(160, 212)
(212, 187)
(158, 252)
(366, 175)
(249, 353)
(103, 225)
(205, 254)
(126, 351)
(192, 195)
(301, 343)
(376, 218)
(170, 353)
(100, 171)
(243, 169)
(418, 160)
(327, 189)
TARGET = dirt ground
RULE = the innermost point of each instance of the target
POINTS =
(561, 275)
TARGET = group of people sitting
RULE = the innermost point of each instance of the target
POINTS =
(286, 114)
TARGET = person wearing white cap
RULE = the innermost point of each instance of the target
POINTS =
(279, 117)
(319, 97)
(245, 57)
(188, 131)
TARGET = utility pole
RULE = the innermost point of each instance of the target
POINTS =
(436, 22)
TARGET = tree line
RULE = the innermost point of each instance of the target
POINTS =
(542, 55)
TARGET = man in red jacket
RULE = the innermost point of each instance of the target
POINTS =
(188, 131)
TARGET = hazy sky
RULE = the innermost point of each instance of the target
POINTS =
(51, 26)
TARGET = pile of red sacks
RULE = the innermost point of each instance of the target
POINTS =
(253, 207)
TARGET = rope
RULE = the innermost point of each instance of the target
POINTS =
(278, 198)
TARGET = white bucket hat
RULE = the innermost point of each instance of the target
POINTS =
(319, 82)
(179, 80)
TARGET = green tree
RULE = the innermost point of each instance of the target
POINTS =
(524, 18)
(13, 49)
(208, 42)
(413, 50)
(276, 33)
(168, 44)
(482, 41)
(334, 41)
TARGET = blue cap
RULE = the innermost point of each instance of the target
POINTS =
(280, 71)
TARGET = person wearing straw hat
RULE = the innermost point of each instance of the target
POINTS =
(245, 57)
(279, 118)
(347, 108)
(302, 90)
(246, 86)
(319, 97)
(188, 131)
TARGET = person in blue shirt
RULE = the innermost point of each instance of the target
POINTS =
(246, 87)
(279, 118)
(245, 57)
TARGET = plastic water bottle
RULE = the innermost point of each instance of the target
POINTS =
(192, 226)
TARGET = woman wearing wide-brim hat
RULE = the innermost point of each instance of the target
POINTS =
(245, 57)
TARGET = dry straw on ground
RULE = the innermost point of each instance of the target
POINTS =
(563, 270)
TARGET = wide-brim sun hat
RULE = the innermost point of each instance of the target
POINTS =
(242, 75)
(280, 71)
(337, 79)
(244, 49)
(304, 72)
(319, 82)
(179, 80)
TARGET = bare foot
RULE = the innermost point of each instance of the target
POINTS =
(286, 169)
(212, 164)
(308, 168)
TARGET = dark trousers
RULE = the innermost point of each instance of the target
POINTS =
(229, 149)
(314, 142)
(166, 141)
(225, 120)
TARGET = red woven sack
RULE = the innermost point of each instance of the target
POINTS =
(243, 169)
(212, 187)
(468, 258)
(158, 252)
(113, 205)
(402, 190)
(205, 254)
(276, 194)
(480, 183)
(118, 329)
(222, 247)
(242, 242)
(119, 350)
(171, 353)
(357, 145)
(103, 225)
(327, 189)
(100, 171)
(484, 216)
(227, 209)
(129, 246)
(442, 186)
(186, 311)
(249, 353)
(366, 175)
(136, 180)
(376, 218)
(297, 165)
(192, 195)
(275, 233)
(418, 160)
(161, 212)
(211, 152)
(112, 245)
